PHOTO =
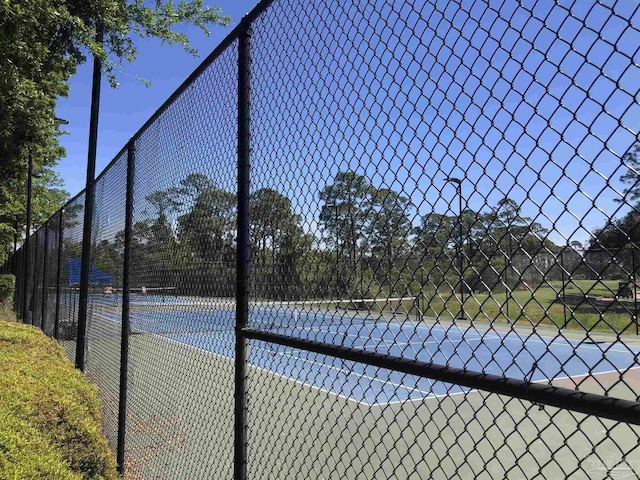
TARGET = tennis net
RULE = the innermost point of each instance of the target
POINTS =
(215, 315)
(329, 313)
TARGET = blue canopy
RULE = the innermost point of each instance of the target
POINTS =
(95, 275)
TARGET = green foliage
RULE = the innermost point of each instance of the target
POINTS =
(49, 413)
(622, 232)
(7, 287)
(42, 42)
(617, 233)
(631, 178)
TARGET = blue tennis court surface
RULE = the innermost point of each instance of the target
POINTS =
(532, 358)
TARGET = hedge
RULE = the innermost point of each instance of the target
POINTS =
(49, 413)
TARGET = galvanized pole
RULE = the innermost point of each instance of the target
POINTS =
(126, 292)
(25, 285)
(458, 182)
(635, 294)
(85, 266)
(244, 250)
(337, 208)
(43, 305)
(59, 273)
(506, 277)
(461, 251)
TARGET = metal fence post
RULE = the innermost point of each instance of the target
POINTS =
(44, 276)
(58, 273)
(14, 258)
(243, 249)
(17, 299)
(85, 266)
(126, 290)
(25, 284)
(35, 282)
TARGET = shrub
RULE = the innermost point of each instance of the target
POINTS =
(7, 287)
(49, 413)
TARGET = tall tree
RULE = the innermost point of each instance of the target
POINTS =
(344, 215)
(631, 178)
(620, 232)
(281, 248)
(435, 246)
(388, 231)
(208, 228)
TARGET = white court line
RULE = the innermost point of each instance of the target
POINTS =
(381, 339)
(427, 395)
(257, 367)
(351, 372)
(473, 390)
(322, 365)
(554, 342)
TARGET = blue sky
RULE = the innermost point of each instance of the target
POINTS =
(125, 109)
(532, 100)
(519, 99)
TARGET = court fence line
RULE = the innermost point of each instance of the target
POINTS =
(236, 192)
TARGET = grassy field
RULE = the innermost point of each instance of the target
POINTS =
(49, 414)
(588, 305)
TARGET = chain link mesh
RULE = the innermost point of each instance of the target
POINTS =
(453, 184)
(17, 265)
(180, 394)
(35, 303)
(27, 292)
(442, 157)
(105, 293)
(72, 222)
(51, 275)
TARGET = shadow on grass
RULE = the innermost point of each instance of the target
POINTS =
(579, 303)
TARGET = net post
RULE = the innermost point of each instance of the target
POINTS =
(243, 250)
(88, 209)
(58, 274)
(44, 276)
(126, 292)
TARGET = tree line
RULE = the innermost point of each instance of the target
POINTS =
(365, 243)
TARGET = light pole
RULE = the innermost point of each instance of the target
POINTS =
(507, 289)
(336, 206)
(458, 183)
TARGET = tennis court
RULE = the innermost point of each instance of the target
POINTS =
(534, 358)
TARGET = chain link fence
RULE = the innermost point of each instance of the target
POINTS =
(370, 240)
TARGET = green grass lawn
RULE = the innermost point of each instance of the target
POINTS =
(543, 306)
(50, 424)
